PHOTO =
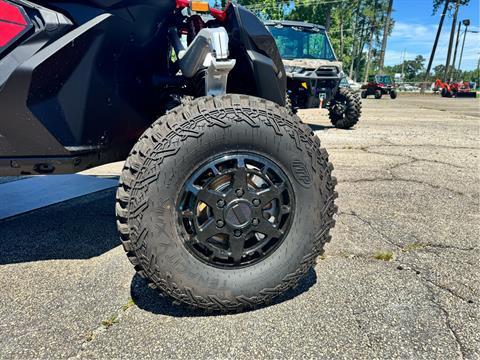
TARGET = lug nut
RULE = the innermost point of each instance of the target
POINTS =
(220, 203)
(255, 222)
(239, 192)
(237, 233)
(256, 202)
(220, 223)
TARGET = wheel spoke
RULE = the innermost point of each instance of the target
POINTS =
(210, 197)
(193, 189)
(240, 179)
(207, 231)
(268, 229)
(237, 246)
(270, 194)
(214, 170)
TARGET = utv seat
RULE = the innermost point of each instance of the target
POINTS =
(102, 4)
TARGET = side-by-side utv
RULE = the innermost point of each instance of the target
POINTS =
(314, 74)
(226, 198)
(379, 85)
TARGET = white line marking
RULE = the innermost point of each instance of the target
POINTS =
(19, 197)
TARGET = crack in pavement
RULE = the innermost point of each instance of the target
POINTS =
(397, 178)
(413, 181)
(416, 159)
(101, 329)
(384, 236)
(426, 282)
(401, 262)
(450, 247)
(391, 144)
(367, 149)
(420, 271)
(448, 324)
(412, 160)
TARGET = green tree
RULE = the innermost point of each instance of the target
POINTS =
(437, 4)
(438, 71)
(413, 70)
(355, 27)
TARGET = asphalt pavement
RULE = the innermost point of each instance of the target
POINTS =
(400, 279)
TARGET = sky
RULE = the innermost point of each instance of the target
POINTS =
(416, 27)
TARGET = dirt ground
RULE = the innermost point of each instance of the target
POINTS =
(400, 279)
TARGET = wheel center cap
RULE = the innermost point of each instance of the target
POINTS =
(238, 214)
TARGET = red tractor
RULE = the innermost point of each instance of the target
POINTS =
(454, 89)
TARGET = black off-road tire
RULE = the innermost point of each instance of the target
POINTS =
(364, 94)
(166, 156)
(393, 94)
(378, 94)
(353, 111)
(289, 104)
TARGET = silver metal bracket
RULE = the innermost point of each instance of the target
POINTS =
(216, 78)
(208, 51)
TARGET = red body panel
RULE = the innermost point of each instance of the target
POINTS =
(13, 23)
(8, 32)
(11, 13)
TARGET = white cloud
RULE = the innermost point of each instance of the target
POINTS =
(418, 39)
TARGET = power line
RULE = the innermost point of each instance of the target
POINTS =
(299, 4)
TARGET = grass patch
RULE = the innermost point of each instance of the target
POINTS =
(130, 303)
(89, 336)
(112, 320)
(383, 255)
(413, 247)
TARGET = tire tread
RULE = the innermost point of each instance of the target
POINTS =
(249, 110)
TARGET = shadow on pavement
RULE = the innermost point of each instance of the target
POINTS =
(316, 127)
(152, 300)
(82, 228)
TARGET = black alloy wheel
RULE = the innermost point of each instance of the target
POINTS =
(236, 210)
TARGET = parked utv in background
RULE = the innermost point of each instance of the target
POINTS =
(227, 199)
(313, 72)
(379, 85)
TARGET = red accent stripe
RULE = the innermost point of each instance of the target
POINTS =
(8, 32)
(220, 15)
(181, 4)
(11, 13)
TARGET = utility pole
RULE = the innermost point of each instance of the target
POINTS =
(437, 37)
(385, 35)
(403, 64)
(452, 72)
(478, 72)
(466, 22)
(450, 43)
(373, 29)
(354, 45)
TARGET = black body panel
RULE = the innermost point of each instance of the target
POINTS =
(86, 94)
(81, 89)
(259, 70)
